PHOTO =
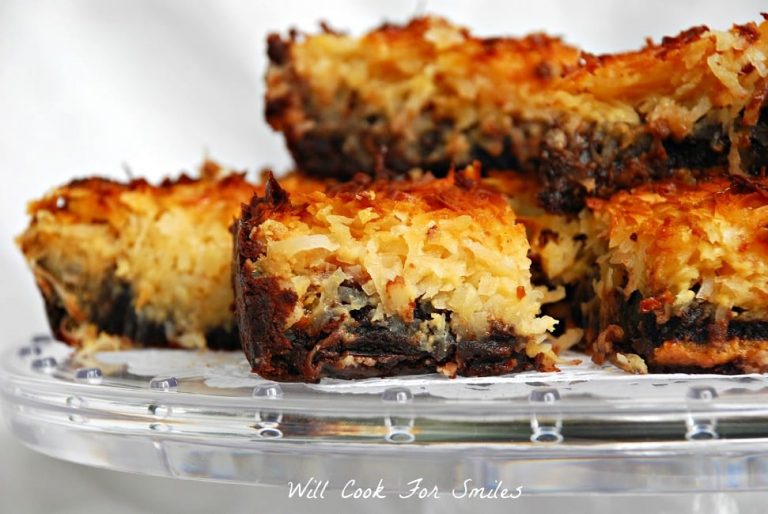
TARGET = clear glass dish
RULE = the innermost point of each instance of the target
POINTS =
(203, 415)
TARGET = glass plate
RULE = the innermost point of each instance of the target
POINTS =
(204, 415)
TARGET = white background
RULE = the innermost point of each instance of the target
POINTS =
(86, 86)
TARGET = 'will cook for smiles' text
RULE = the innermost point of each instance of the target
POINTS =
(316, 489)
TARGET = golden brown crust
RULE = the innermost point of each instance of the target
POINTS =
(460, 193)
(673, 237)
(745, 356)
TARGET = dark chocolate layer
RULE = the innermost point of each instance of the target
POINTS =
(113, 312)
(566, 162)
(644, 332)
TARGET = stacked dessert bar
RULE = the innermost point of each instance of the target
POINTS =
(467, 206)
(638, 176)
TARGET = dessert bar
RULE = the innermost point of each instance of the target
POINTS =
(388, 277)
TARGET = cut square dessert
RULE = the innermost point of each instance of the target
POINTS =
(588, 125)
(684, 281)
(121, 264)
(387, 277)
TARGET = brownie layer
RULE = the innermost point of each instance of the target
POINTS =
(114, 313)
(693, 341)
(367, 349)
